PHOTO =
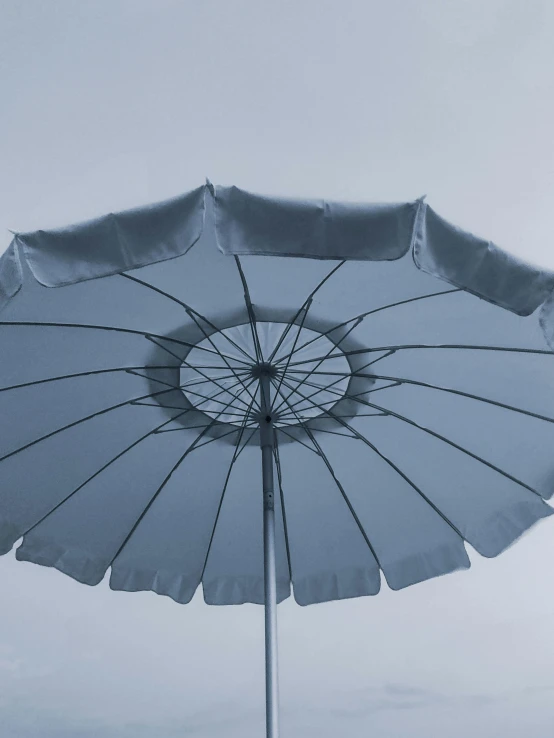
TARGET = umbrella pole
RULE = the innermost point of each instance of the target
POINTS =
(270, 584)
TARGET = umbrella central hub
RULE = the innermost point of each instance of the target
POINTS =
(264, 368)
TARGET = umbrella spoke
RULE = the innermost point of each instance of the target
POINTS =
(341, 377)
(236, 454)
(361, 437)
(438, 436)
(157, 493)
(196, 367)
(339, 395)
(478, 398)
(320, 361)
(296, 440)
(32, 324)
(378, 389)
(282, 498)
(341, 489)
(380, 358)
(207, 398)
(216, 438)
(362, 316)
(235, 372)
(195, 383)
(103, 468)
(409, 347)
(153, 379)
(412, 484)
(155, 404)
(288, 416)
(240, 410)
(334, 433)
(80, 374)
(251, 314)
(196, 427)
(303, 307)
(164, 348)
(83, 420)
(320, 389)
(154, 498)
(301, 325)
(191, 312)
(365, 440)
(461, 393)
(215, 381)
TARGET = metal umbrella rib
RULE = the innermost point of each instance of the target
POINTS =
(80, 374)
(365, 440)
(409, 347)
(190, 311)
(301, 309)
(115, 329)
(206, 398)
(157, 493)
(438, 436)
(341, 489)
(362, 316)
(282, 500)
(318, 363)
(83, 420)
(238, 450)
(103, 468)
(450, 390)
(251, 314)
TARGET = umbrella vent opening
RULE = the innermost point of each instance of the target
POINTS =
(296, 359)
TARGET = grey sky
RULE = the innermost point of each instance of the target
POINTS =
(107, 105)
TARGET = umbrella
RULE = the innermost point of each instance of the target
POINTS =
(394, 370)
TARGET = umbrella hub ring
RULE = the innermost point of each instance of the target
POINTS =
(308, 374)
(258, 370)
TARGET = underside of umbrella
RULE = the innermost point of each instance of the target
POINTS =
(395, 371)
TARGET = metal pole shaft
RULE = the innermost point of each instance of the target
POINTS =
(270, 584)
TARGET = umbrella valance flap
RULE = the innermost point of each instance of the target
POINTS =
(254, 224)
(478, 266)
(251, 224)
(116, 242)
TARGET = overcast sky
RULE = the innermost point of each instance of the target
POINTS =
(108, 104)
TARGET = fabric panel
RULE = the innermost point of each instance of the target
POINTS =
(253, 224)
(330, 558)
(115, 242)
(83, 535)
(478, 265)
(234, 571)
(412, 541)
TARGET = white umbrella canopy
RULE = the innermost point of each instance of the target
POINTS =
(396, 371)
